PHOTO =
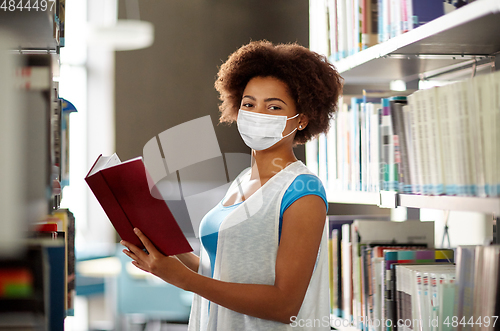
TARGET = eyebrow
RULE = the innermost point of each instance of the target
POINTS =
(266, 100)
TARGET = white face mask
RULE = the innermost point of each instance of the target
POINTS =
(261, 131)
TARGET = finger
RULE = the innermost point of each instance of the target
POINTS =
(130, 254)
(145, 241)
(139, 253)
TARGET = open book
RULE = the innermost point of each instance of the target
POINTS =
(122, 190)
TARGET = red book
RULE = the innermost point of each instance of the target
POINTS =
(122, 190)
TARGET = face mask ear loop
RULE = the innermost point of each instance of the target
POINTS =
(289, 133)
(293, 129)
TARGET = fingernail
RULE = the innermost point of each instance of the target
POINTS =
(136, 230)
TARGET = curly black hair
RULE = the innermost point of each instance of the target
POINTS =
(313, 82)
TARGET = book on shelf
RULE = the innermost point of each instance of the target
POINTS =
(380, 233)
(123, 191)
(340, 28)
(337, 249)
(418, 293)
(436, 141)
(360, 264)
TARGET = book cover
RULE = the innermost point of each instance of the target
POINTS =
(122, 190)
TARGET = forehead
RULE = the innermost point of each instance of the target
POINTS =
(266, 87)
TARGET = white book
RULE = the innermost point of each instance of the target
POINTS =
(462, 136)
(319, 36)
(465, 280)
(496, 119)
(414, 102)
(332, 157)
(355, 142)
(346, 251)
(449, 148)
(343, 143)
(349, 31)
(477, 295)
(425, 135)
(375, 110)
(356, 7)
(312, 156)
(342, 29)
(425, 303)
(387, 150)
(476, 134)
(386, 19)
(322, 158)
(332, 29)
(364, 134)
(446, 296)
(484, 106)
(378, 267)
(433, 140)
(409, 14)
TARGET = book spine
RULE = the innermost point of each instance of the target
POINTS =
(333, 30)
(385, 139)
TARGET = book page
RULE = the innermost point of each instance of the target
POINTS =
(104, 162)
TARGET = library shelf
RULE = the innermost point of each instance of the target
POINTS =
(353, 197)
(460, 38)
(489, 205)
(338, 323)
(35, 30)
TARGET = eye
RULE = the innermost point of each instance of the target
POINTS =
(246, 105)
(274, 107)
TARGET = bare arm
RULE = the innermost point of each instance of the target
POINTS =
(302, 229)
(190, 260)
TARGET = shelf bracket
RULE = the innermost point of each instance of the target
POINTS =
(388, 199)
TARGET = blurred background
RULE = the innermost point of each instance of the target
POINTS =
(130, 70)
(126, 97)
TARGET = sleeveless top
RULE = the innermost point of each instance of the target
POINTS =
(246, 253)
(209, 227)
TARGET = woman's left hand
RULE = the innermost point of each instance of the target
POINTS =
(168, 268)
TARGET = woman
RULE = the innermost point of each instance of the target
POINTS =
(266, 239)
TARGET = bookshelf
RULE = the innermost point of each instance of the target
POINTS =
(40, 265)
(455, 40)
(36, 30)
(452, 47)
(488, 205)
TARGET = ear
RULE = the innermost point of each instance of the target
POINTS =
(303, 121)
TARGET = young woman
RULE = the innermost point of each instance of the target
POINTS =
(267, 263)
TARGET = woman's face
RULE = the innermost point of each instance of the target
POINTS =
(268, 95)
